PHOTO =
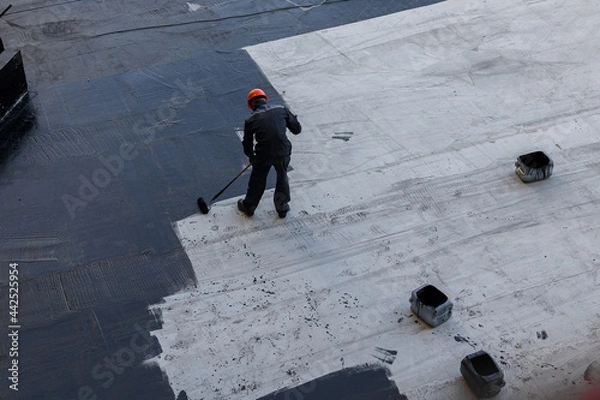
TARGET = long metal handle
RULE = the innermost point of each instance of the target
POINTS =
(5, 10)
(229, 184)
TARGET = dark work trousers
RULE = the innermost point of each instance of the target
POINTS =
(258, 182)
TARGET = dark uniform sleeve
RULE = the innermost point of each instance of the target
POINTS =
(248, 142)
(292, 123)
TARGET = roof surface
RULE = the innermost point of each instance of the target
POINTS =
(132, 113)
(413, 115)
(405, 175)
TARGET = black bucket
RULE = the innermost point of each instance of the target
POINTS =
(430, 304)
(482, 374)
(533, 166)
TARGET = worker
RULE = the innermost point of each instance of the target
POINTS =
(266, 145)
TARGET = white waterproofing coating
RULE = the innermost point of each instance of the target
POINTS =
(404, 175)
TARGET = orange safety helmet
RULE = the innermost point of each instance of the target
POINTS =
(255, 93)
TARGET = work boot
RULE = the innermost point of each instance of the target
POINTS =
(282, 212)
(242, 207)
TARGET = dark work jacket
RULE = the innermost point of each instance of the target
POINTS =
(267, 125)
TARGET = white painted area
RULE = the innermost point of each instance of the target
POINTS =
(193, 7)
(440, 100)
(239, 131)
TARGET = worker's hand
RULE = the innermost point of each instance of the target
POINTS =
(251, 159)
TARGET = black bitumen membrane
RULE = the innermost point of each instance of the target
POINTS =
(131, 115)
(368, 382)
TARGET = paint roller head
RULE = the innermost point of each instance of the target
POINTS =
(202, 205)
